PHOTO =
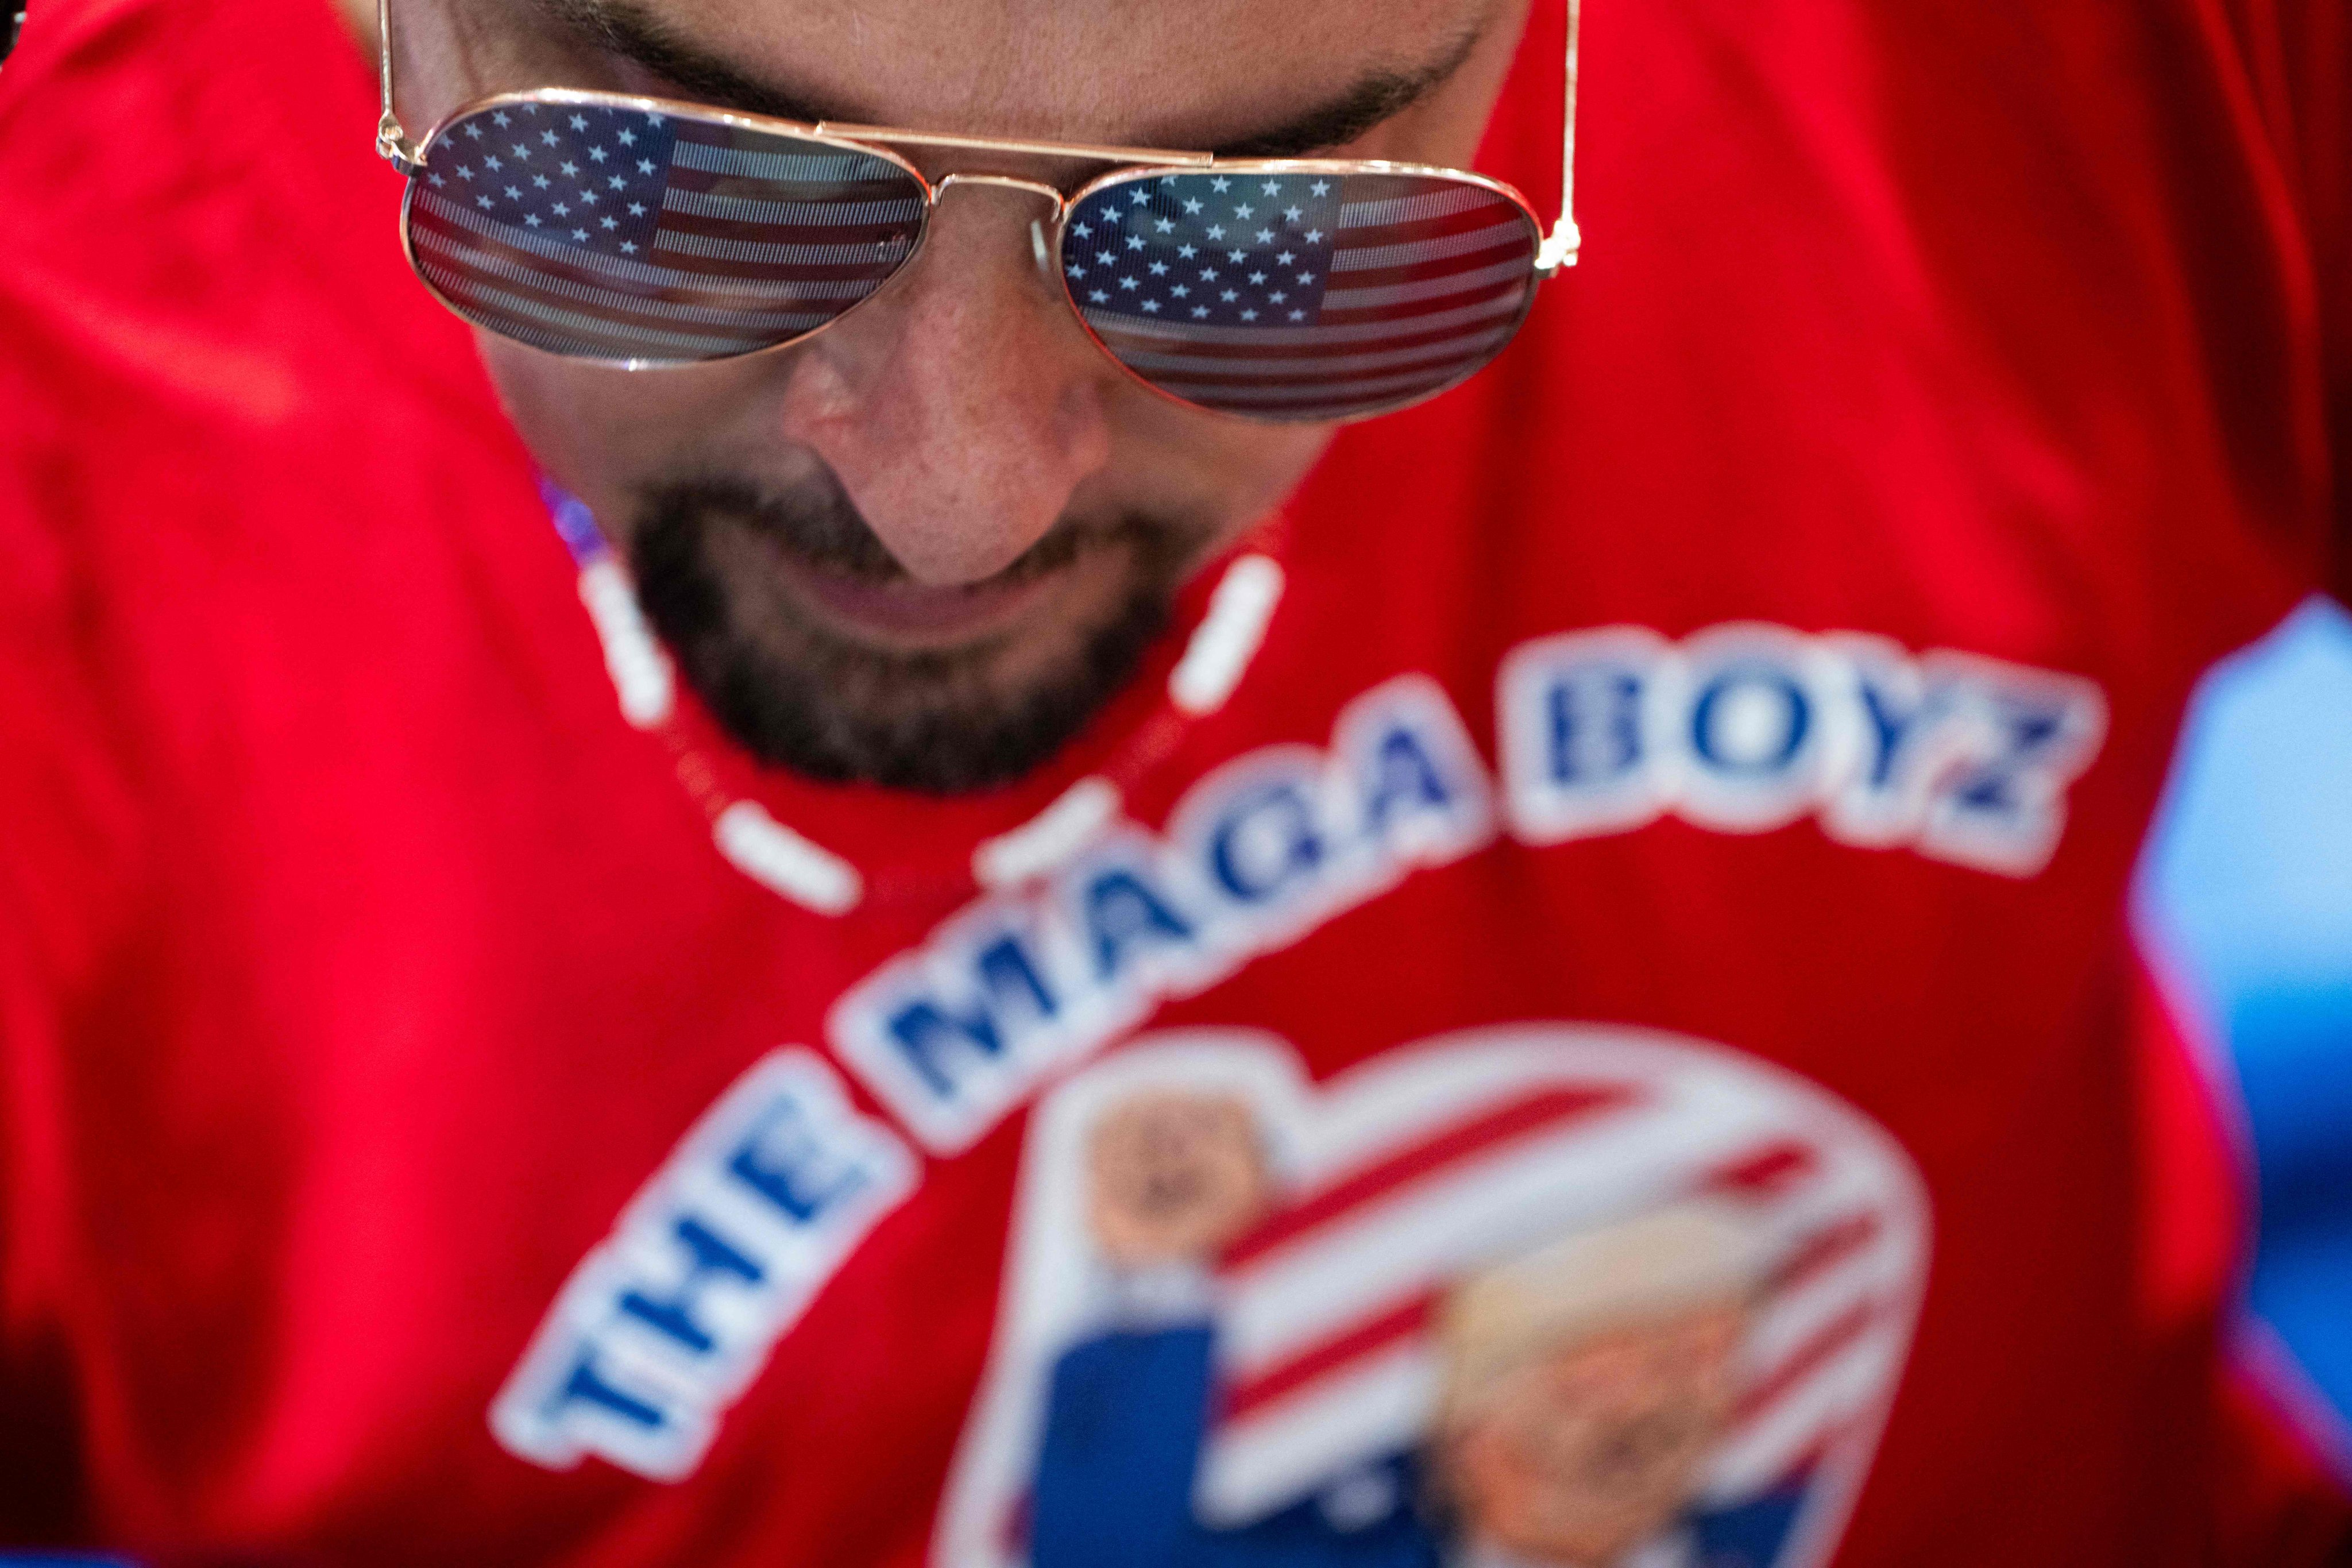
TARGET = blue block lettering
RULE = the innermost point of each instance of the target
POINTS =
(1404, 777)
(711, 1256)
(925, 1029)
(1993, 788)
(583, 1385)
(1121, 910)
(1796, 717)
(1264, 842)
(1893, 726)
(786, 1162)
(1590, 747)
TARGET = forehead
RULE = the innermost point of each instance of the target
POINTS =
(1182, 72)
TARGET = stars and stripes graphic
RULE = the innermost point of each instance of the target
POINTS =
(619, 233)
(1328, 1319)
(1408, 1178)
(1300, 295)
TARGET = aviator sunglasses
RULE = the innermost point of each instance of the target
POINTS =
(642, 232)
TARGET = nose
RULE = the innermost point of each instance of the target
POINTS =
(961, 407)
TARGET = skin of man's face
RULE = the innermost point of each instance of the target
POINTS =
(1587, 1451)
(988, 492)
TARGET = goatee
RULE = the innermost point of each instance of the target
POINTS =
(799, 695)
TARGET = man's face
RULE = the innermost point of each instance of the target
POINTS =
(1588, 1451)
(922, 547)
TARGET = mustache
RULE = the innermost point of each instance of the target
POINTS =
(796, 695)
(814, 521)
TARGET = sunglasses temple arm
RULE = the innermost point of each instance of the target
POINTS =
(1559, 248)
(391, 142)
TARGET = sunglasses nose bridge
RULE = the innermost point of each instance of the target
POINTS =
(1038, 243)
(1002, 183)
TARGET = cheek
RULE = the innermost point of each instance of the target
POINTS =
(1251, 467)
(561, 410)
(601, 431)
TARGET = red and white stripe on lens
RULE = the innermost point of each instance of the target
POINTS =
(622, 233)
(1326, 1327)
(1300, 294)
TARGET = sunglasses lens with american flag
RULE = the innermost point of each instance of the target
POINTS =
(1297, 291)
(609, 232)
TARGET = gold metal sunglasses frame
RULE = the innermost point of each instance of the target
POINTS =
(1554, 251)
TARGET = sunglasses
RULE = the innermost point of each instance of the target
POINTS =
(643, 233)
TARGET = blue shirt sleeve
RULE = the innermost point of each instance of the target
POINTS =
(1125, 1417)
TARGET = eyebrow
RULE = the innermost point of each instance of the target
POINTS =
(623, 28)
(1380, 95)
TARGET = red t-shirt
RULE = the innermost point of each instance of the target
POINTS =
(1668, 847)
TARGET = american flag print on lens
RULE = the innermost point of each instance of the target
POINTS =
(616, 233)
(1300, 294)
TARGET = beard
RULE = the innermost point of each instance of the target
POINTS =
(797, 694)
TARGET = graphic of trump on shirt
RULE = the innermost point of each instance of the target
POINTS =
(1480, 1339)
